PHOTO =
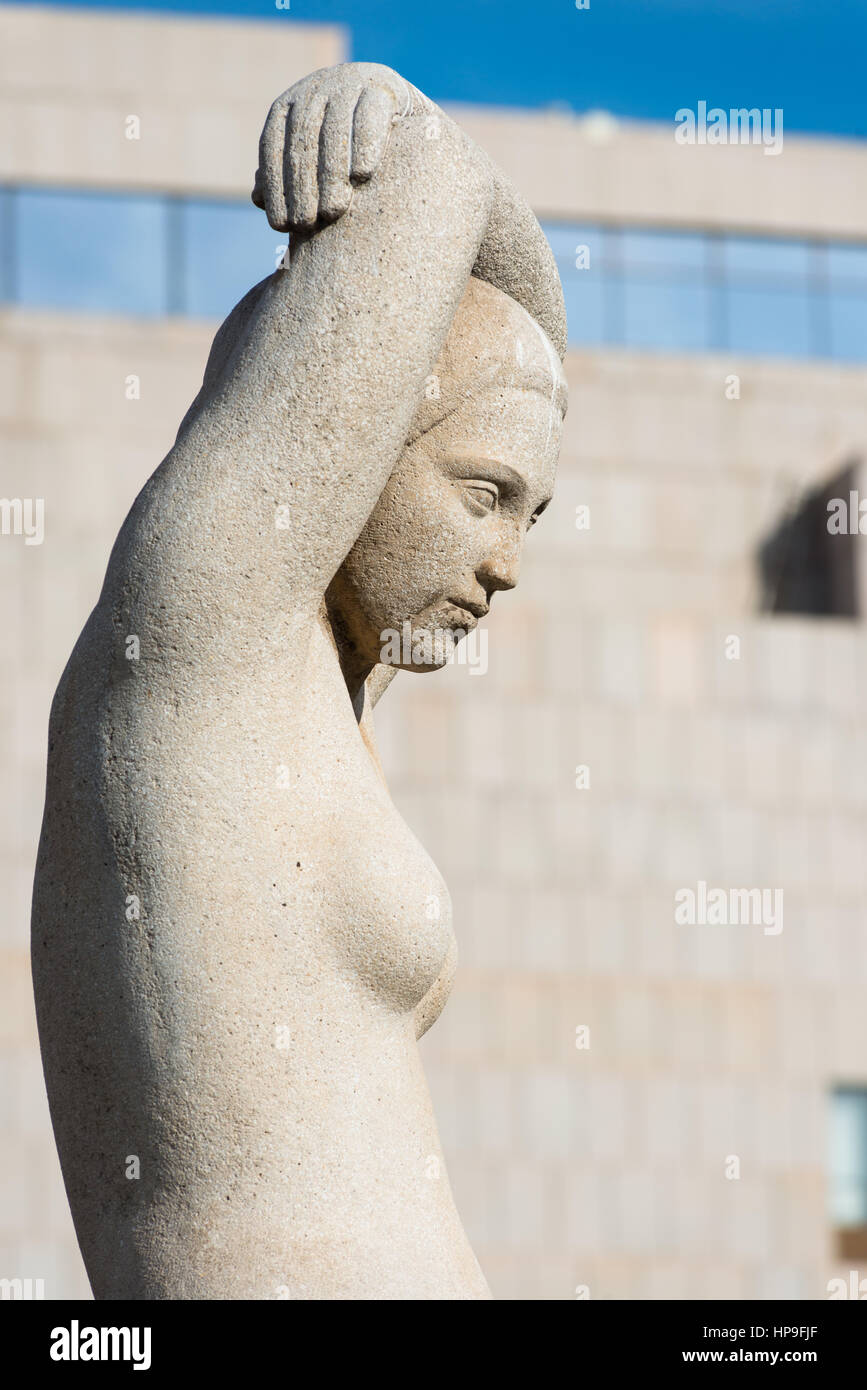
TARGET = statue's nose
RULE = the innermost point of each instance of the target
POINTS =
(501, 568)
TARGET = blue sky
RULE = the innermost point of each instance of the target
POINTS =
(639, 58)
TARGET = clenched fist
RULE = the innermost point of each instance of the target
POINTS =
(325, 135)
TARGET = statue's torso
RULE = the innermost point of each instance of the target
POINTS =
(233, 927)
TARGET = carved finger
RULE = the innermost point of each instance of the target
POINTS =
(301, 161)
(370, 127)
(335, 141)
(269, 175)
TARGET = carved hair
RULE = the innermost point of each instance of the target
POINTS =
(493, 343)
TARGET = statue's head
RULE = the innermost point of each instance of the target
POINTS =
(478, 470)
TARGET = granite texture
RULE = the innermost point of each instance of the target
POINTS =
(236, 938)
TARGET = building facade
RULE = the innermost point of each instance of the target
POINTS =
(632, 1105)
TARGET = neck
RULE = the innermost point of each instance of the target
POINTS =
(354, 666)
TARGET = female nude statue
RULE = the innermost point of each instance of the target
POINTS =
(233, 946)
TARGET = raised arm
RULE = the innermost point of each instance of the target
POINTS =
(312, 401)
(304, 182)
(313, 380)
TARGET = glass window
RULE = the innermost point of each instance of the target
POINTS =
(7, 244)
(847, 263)
(585, 309)
(102, 252)
(802, 566)
(770, 322)
(227, 248)
(579, 249)
(765, 258)
(848, 1156)
(644, 287)
(848, 312)
(683, 253)
(672, 315)
(582, 252)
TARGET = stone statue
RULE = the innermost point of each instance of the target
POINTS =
(237, 940)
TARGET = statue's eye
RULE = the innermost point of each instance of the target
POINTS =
(485, 494)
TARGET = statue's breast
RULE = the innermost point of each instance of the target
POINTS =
(357, 876)
(386, 905)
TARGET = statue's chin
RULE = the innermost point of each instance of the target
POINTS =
(421, 669)
(423, 648)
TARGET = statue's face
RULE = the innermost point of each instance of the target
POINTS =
(449, 527)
